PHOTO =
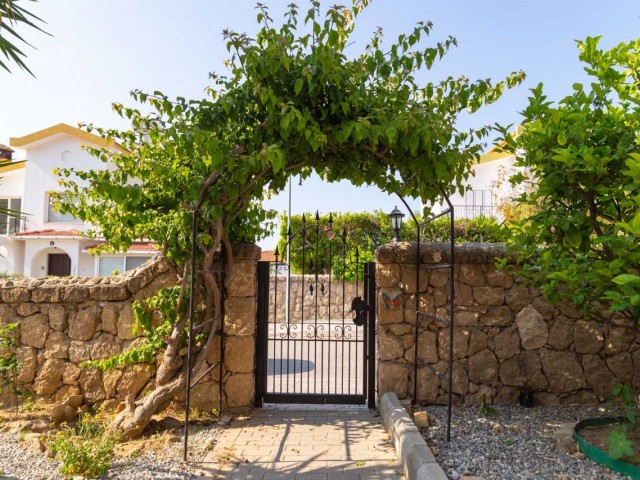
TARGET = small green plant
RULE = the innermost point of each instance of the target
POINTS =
(84, 449)
(620, 445)
(9, 364)
(485, 410)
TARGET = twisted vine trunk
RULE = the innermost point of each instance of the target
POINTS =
(171, 376)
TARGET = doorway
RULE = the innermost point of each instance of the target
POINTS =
(58, 264)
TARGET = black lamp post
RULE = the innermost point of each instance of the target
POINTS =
(396, 222)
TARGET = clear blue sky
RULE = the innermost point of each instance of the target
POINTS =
(101, 50)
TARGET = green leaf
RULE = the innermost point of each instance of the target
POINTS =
(619, 443)
(574, 236)
(626, 278)
(298, 86)
(562, 139)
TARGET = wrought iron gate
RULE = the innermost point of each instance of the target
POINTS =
(316, 342)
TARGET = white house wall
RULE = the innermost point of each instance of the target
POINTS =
(485, 177)
(11, 256)
(60, 151)
(12, 183)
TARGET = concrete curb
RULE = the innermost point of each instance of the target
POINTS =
(415, 456)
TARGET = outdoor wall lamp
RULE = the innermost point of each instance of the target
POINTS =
(396, 222)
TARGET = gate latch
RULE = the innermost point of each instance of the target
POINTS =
(360, 307)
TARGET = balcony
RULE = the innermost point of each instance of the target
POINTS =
(11, 226)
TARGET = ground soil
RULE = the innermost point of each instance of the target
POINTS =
(598, 436)
(164, 429)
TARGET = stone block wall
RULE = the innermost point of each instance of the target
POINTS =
(67, 321)
(331, 300)
(506, 335)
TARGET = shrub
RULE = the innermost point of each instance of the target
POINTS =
(84, 449)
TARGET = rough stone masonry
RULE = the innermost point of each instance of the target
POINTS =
(507, 337)
(67, 321)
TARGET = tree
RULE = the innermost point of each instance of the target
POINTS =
(579, 242)
(12, 16)
(293, 103)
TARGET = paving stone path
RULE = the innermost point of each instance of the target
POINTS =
(305, 443)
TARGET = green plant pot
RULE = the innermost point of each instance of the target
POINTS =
(601, 456)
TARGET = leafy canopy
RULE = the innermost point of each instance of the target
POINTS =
(297, 98)
(581, 240)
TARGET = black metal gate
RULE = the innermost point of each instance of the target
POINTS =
(316, 331)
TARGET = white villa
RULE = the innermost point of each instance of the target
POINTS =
(488, 185)
(47, 242)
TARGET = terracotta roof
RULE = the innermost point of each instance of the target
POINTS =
(135, 246)
(4, 147)
(51, 233)
(268, 256)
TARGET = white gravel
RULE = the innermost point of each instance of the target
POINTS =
(517, 443)
(18, 463)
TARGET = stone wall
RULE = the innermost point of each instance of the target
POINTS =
(67, 321)
(506, 336)
(305, 289)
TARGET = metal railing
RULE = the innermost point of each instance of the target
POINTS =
(475, 211)
(12, 226)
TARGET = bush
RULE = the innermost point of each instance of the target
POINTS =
(84, 449)
(480, 229)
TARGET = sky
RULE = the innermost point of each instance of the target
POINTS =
(99, 51)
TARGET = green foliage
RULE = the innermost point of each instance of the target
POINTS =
(13, 16)
(480, 229)
(293, 102)
(154, 317)
(84, 449)
(9, 364)
(580, 241)
(328, 243)
(620, 445)
(340, 235)
(485, 410)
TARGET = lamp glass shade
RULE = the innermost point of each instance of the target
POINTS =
(396, 219)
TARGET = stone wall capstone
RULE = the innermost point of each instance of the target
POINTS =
(506, 336)
(67, 321)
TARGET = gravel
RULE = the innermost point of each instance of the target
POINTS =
(18, 463)
(515, 443)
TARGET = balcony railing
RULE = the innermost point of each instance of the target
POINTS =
(474, 211)
(12, 226)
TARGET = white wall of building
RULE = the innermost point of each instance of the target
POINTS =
(12, 183)
(11, 256)
(58, 151)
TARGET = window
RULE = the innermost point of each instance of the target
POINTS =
(9, 224)
(54, 216)
(109, 265)
(118, 263)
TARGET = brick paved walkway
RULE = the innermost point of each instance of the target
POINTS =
(305, 443)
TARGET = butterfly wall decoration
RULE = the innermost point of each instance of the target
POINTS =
(391, 303)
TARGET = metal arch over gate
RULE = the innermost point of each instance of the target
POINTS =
(316, 342)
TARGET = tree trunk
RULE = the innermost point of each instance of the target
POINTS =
(171, 375)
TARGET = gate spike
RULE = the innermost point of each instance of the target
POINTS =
(317, 216)
(304, 220)
(289, 231)
(357, 252)
(330, 219)
(277, 253)
(344, 233)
